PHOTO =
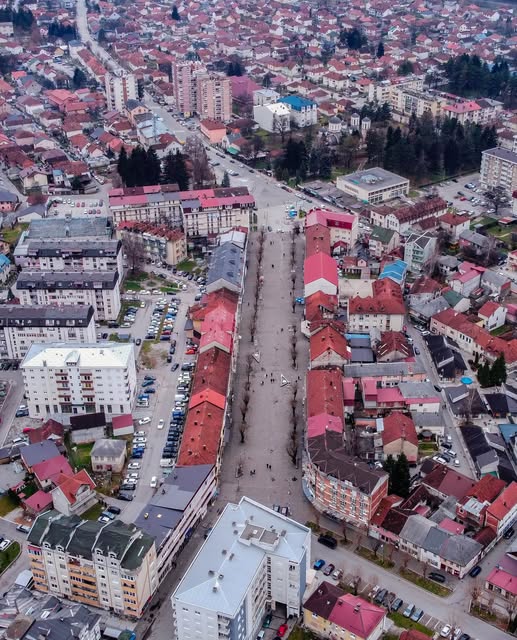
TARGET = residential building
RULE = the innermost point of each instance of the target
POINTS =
(275, 117)
(87, 427)
(330, 612)
(492, 315)
(108, 455)
(499, 168)
(383, 308)
(343, 227)
(155, 242)
(404, 219)
(155, 204)
(120, 86)
(329, 348)
(213, 130)
(184, 80)
(8, 201)
(98, 289)
(111, 566)
(373, 186)
(21, 326)
(502, 513)
(382, 242)
(74, 494)
(214, 98)
(463, 111)
(253, 560)
(265, 96)
(399, 436)
(419, 250)
(454, 224)
(407, 101)
(61, 379)
(303, 112)
(320, 274)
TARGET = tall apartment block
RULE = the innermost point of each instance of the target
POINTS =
(111, 566)
(214, 98)
(120, 87)
(499, 168)
(253, 560)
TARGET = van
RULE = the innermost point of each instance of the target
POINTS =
(154, 482)
(328, 541)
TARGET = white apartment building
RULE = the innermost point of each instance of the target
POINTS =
(156, 207)
(499, 168)
(70, 254)
(120, 87)
(253, 559)
(63, 380)
(99, 289)
(22, 326)
(418, 251)
(111, 566)
(275, 118)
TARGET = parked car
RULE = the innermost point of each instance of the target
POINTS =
(445, 631)
(282, 630)
(437, 577)
(318, 564)
(417, 614)
(328, 540)
(145, 420)
(338, 574)
(408, 610)
(508, 533)
(124, 496)
(396, 604)
(114, 509)
(475, 571)
(329, 569)
(379, 598)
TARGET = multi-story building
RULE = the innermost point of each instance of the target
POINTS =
(383, 308)
(402, 219)
(155, 242)
(184, 80)
(99, 289)
(214, 98)
(409, 101)
(157, 204)
(303, 112)
(499, 168)
(253, 560)
(419, 250)
(120, 87)
(275, 117)
(111, 566)
(22, 326)
(62, 380)
(373, 185)
(71, 254)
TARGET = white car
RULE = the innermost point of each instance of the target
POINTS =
(139, 440)
(154, 482)
(139, 433)
(5, 544)
(132, 476)
(134, 465)
(161, 423)
(446, 631)
(145, 420)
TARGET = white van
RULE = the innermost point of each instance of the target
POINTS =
(154, 482)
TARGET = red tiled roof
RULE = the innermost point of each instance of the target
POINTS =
(357, 616)
(325, 392)
(201, 439)
(393, 341)
(50, 469)
(314, 304)
(212, 371)
(328, 339)
(320, 266)
(487, 489)
(123, 421)
(506, 501)
(488, 309)
(47, 429)
(70, 485)
(398, 426)
(386, 299)
(504, 580)
(317, 239)
(39, 501)
(317, 425)
(448, 481)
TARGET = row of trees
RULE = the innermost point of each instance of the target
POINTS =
(494, 375)
(469, 76)
(142, 167)
(22, 19)
(65, 32)
(430, 148)
(300, 161)
(352, 38)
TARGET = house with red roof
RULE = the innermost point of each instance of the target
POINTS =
(393, 346)
(213, 130)
(317, 240)
(330, 612)
(203, 436)
(49, 430)
(39, 502)
(502, 513)
(320, 275)
(501, 582)
(122, 425)
(382, 309)
(47, 472)
(343, 227)
(492, 315)
(454, 224)
(74, 493)
(398, 434)
(329, 348)
(472, 508)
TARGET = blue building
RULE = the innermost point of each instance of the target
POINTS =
(304, 112)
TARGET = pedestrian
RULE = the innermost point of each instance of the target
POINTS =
(272, 266)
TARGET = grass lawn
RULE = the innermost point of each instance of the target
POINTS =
(500, 330)
(301, 634)
(482, 613)
(7, 504)
(427, 447)
(386, 563)
(186, 265)
(131, 285)
(80, 455)
(405, 623)
(172, 288)
(93, 513)
(503, 233)
(8, 556)
(425, 583)
(11, 235)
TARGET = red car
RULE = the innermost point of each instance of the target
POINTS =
(281, 630)
(190, 352)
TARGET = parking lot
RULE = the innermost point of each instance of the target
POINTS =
(95, 204)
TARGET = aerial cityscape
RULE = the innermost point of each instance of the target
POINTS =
(258, 320)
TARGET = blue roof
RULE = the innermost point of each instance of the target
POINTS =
(297, 102)
(395, 270)
(4, 260)
(508, 431)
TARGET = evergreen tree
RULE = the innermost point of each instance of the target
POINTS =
(355, 39)
(123, 165)
(80, 79)
(226, 180)
(498, 371)
(402, 477)
(152, 167)
(380, 49)
(389, 467)
(484, 375)
(182, 174)
(175, 15)
(405, 68)
(325, 170)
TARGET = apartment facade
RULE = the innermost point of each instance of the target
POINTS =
(418, 251)
(120, 87)
(156, 204)
(214, 98)
(99, 289)
(155, 242)
(253, 560)
(22, 326)
(111, 566)
(499, 168)
(185, 85)
(62, 380)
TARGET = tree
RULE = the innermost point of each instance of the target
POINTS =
(258, 145)
(235, 67)
(175, 14)
(132, 250)
(389, 467)
(405, 68)
(79, 79)
(152, 167)
(497, 196)
(226, 180)
(76, 183)
(354, 39)
(123, 164)
(402, 477)
(380, 49)
(175, 170)
(202, 175)
(140, 88)
(498, 371)
(281, 125)
(374, 146)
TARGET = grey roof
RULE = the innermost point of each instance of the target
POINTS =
(423, 419)
(40, 315)
(415, 529)
(429, 308)
(227, 563)
(67, 279)
(82, 542)
(371, 179)
(448, 261)
(460, 549)
(474, 238)
(92, 227)
(417, 390)
(108, 448)
(502, 154)
(434, 540)
(384, 369)
(493, 278)
(7, 196)
(39, 452)
(226, 264)
(72, 247)
(165, 509)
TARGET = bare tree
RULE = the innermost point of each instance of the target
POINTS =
(202, 174)
(497, 196)
(281, 125)
(242, 430)
(132, 249)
